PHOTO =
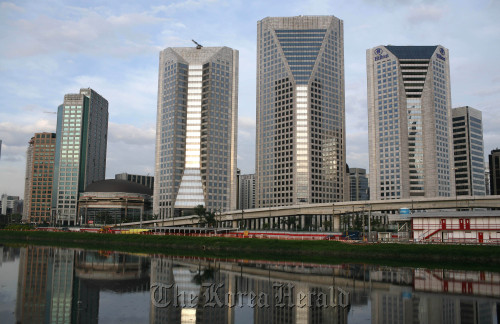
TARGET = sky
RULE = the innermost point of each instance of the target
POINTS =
(52, 48)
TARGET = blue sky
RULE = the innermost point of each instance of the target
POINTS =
(50, 48)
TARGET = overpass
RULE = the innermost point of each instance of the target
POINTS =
(319, 213)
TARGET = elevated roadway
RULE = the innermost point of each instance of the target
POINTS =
(332, 211)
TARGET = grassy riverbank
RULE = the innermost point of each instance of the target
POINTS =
(331, 252)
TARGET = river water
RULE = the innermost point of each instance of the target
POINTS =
(57, 285)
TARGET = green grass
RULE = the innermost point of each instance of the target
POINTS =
(473, 257)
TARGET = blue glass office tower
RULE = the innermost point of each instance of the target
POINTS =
(82, 133)
(300, 146)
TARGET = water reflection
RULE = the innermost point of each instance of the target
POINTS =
(56, 285)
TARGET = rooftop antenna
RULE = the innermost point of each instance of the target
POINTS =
(198, 46)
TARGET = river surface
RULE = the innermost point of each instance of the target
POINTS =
(57, 285)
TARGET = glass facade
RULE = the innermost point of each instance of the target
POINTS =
(196, 131)
(468, 151)
(300, 152)
(81, 149)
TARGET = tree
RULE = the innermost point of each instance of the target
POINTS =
(205, 218)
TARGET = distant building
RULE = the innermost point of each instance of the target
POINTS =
(40, 158)
(468, 151)
(494, 161)
(115, 201)
(9, 204)
(409, 122)
(487, 181)
(359, 184)
(147, 181)
(82, 132)
(28, 180)
(247, 191)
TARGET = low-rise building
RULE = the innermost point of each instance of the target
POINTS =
(114, 202)
(457, 227)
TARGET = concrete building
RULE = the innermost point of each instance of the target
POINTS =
(487, 181)
(300, 145)
(9, 204)
(494, 162)
(196, 130)
(82, 132)
(359, 184)
(115, 201)
(28, 176)
(247, 191)
(40, 158)
(457, 227)
(144, 180)
(468, 151)
(409, 122)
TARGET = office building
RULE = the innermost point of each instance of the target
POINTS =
(9, 204)
(82, 131)
(359, 184)
(196, 130)
(40, 158)
(28, 176)
(494, 162)
(144, 180)
(487, 181)
(300, 145)
(468, 151)
(409, 122)
(247, 191)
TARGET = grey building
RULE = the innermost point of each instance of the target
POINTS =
(494, 162)
(468, 151)
(409, 122)
(28, 181)
(196, 130)
(82, 132)
(300, 145)
(9, 204)
(246, 191)
(359, 184)
(144, 180)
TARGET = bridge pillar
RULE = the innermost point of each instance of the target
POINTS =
(336, 223)
(234, 224)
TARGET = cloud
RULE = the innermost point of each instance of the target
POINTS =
(90, 33)
(131, 135)
(425, 13)
(9, 6)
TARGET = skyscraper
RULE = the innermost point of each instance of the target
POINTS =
(40, 158)
(359, 184)
(468, 150)
(196, 130)
(247, 191)
(494, 162)
(300, 147)
(409, 122)
(82, 131)
(28, 176)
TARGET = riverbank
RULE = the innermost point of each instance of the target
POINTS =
(470, 257)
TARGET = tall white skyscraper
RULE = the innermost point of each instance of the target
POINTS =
(409, 122)
(300, 148)
(469, 152)
(196, 130)
(82, 133)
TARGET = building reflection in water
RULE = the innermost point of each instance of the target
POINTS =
(63, 286)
